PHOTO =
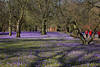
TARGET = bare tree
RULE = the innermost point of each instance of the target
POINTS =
(76, 16)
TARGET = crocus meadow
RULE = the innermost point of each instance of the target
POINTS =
(27, 52)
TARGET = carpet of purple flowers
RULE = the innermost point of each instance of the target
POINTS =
(47, 53)
(37, 35)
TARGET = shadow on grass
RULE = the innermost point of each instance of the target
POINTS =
(15, 50)
(73, 61)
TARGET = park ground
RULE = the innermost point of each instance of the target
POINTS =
(51, 50)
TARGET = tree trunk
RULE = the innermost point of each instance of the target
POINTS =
(10, 29)
(58, 28)
(18, 30)
(85, 42)
(19, 24)
(3, 28)
(35, 28)
(0, 29)
(43, 32)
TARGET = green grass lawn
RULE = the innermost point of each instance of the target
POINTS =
(28, 53)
